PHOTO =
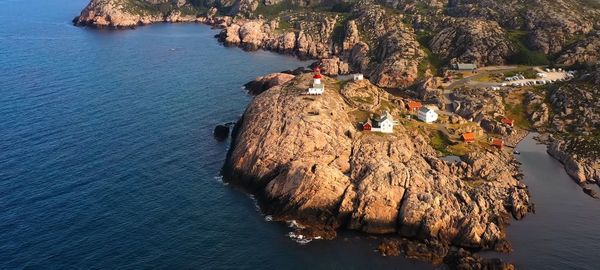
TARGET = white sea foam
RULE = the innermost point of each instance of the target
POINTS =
(219, 179)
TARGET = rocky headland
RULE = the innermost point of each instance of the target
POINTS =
(306, 158)
(308, 161)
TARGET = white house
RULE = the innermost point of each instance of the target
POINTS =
(427, 115)
(384, 124)
(318, 88)
(358, 77)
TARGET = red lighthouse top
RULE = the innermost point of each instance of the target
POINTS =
(317, 71)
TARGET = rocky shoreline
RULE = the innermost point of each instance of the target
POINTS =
(307, 161)
(395, 44)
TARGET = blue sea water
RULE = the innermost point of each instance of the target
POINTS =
(107, 159)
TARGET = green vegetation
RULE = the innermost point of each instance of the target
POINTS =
(432, 62)
(524, 55)
(273, 11)
(528, 73)
(143, 7)
(339, 30)
(516, 111)
(359, 116)
(440, 142)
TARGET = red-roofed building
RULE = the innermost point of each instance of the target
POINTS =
(468, 137)
(414, 106)
(508, 121)
(497, 143)
(367, 126)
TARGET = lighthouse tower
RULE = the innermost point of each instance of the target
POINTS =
(317, 76)
(318, 87)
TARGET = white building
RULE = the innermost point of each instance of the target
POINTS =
(427, 115)
(358, 77)
(318, 88)
(384, 124)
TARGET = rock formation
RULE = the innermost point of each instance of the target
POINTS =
(582, 52)
(309, 162)
(395, 43)
(472, 41)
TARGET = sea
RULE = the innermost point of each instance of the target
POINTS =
(107, 159)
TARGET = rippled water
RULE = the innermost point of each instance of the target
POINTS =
(107, 159)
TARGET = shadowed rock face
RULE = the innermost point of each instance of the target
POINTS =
(309, 162)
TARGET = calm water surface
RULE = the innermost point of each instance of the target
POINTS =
(107, 158)
(564, 232)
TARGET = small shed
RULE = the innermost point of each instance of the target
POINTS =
(367, 126)
(468, 137)
(497, 143)
(465, 66)
(507, 121)
(358, 77)
(414, 106)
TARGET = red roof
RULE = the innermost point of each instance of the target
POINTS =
(414, 105)
(498, 143)
(468, 137)
(367, 126)
(317, 76)
(507, 121)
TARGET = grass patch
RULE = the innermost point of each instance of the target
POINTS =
(516, 111)
(528, 73)
(432, 62)
(273, 11)
(524, 55)
(440, 142)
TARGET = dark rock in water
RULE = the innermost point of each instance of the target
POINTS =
(221, 132)
(591, 192)
(266, 82)
(432, 251)
(297, 71)
(462, 259)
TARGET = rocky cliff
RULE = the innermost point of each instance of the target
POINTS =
(396, 43)
(309, 162)
(576, 125)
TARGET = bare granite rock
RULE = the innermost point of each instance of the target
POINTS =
(306, 158)
(472, 41)
(266, 82)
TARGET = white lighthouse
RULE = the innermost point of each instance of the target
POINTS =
(318, 87)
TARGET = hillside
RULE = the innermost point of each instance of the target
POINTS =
(395, 43)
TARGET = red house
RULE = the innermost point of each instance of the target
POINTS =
(367, 126)
(497, 143)
(508, 121)
(414, 106)
(468, 137)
